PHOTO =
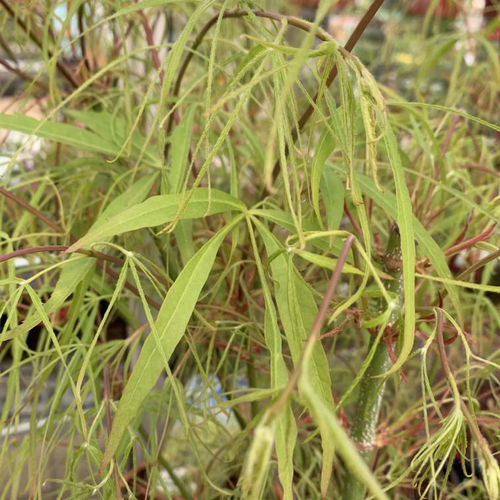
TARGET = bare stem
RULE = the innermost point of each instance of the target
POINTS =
(371, 386)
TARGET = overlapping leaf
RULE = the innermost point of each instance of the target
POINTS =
(170, 325)
(159, 210)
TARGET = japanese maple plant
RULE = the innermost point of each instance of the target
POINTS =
(242, 258)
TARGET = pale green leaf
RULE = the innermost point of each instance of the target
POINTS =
(447, 109)
(286, 428)
(113, 128)
(324, 148)
(71, 275)
(332, 431)
(159, 210)
(58, 132)
(297, 309)
(170, 325)
(333, 193)
(405, 223)
(134, 195)
(329, 263)
(427, 245)
(180, 141)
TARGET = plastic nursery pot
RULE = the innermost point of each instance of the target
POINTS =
(445, 9)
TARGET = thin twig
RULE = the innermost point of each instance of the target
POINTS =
(449, 375)
(58, 229)
(109, 422)
(31, 33)
(149, 38)
(83, 45)
(39, 215)
(453, 250)
(447, 140)
(22, 75)
(480, 168)
(58, 248)
(478, 265)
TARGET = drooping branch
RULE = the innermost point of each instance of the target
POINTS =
(34, 37)
(292, 21)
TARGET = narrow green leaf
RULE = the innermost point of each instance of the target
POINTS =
(446, 109)
(58, 132)
(132, 196)
(297, 309)
(333, 193)
(286, 428)
(183, 233)
(464, 284)
(329, 263)
(405, 222)
(332, 430)
(255, 473)
(159, 210)
(492, 52)
(437, 54)
(466, 197)
(170, 325)
(71, 275)
(180, 141)
(324, 148)
(113, 128)
(284, 219)
(428, 246)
